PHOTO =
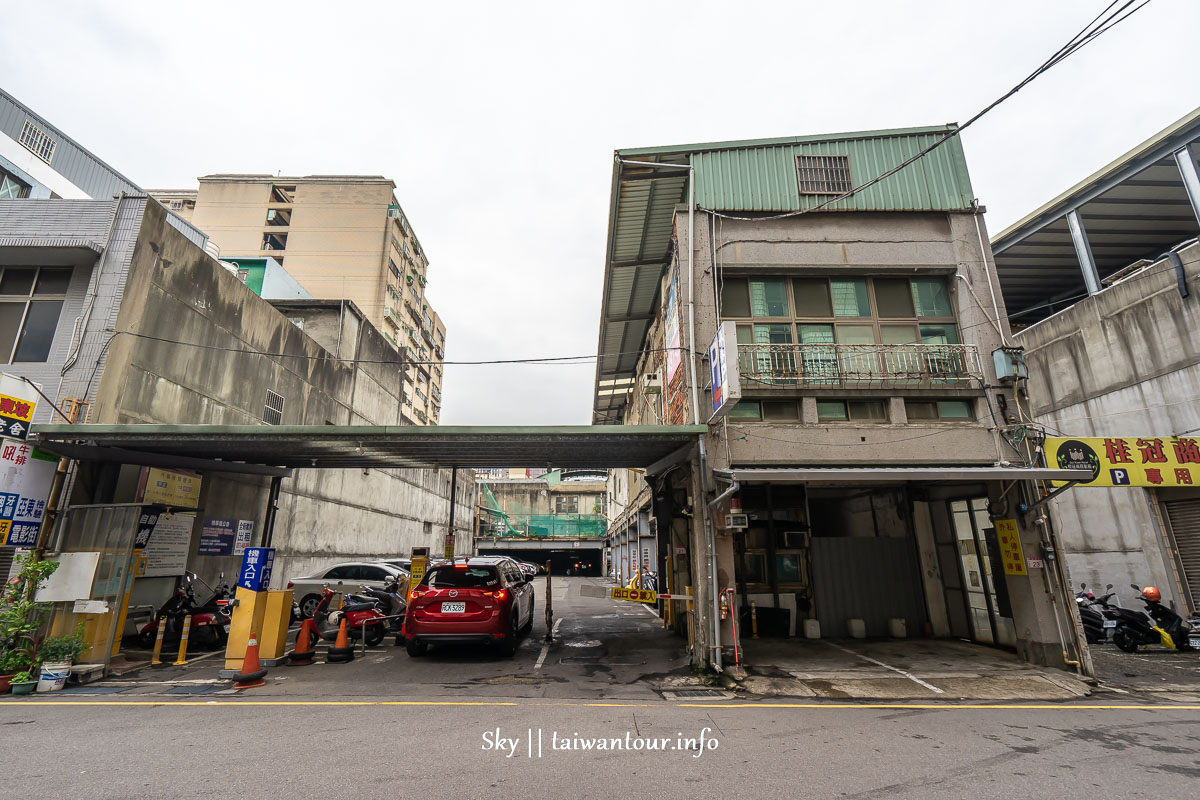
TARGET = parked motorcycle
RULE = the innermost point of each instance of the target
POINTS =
(210, 621)
(1097, 614)
(392, 601)
(358, 611)
(1157, 625)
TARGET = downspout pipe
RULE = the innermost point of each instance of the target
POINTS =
(1180, 276)
(733, 487)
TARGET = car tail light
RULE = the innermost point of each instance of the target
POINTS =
(460, 566)
(414, 594)
(498, 594)
(291, 585)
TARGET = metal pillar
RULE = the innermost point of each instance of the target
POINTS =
(1186, 161)
(272, 509)
(1083, 251)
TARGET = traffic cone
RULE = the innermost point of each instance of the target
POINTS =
(252, 672)
(302, 655)
(341, 650)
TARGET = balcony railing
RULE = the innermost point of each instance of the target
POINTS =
(858, 365)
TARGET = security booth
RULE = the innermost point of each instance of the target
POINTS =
(897, 552)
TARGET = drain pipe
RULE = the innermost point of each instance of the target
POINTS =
(733, 487)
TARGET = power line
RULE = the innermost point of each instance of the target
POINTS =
(1088, 34)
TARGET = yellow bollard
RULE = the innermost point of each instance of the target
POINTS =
(158, 640)
(753, 620)
(187, 626)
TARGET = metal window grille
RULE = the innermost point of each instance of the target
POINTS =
(273, 414)
(824, 174)
(37, 141)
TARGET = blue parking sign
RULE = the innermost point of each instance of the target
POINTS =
(257, 563)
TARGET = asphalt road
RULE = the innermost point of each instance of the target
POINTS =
(390, 726)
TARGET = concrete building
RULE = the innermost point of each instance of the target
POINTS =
(870, 468)
(165, 334)
(530, 519)
(1104, 280)
(339, 236)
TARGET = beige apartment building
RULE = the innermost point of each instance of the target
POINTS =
(339, 236)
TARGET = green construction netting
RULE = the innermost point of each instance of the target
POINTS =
(520, 521)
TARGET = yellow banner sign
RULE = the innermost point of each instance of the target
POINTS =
(1129, 460)
(170, 488)
(634, 595)
(416, 571)
(1010, 546)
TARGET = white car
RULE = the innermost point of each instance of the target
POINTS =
(352, 575)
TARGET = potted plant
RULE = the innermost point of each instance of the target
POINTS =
(10, 664)
(20, 616)
(57, 653)
(24, 683)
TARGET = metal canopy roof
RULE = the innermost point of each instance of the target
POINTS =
(1135, 208)
(902, 474)
(756, 175)
(362, 446)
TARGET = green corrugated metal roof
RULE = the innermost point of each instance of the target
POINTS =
(763, 178)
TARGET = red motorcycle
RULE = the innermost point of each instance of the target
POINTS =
(362, 615)
(210, 621)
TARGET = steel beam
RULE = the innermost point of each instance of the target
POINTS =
(1083, 251)
(1185, 159)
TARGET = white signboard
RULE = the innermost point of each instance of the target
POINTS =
(25, 478)
(245, 530)
(167, 551)
(723, 370)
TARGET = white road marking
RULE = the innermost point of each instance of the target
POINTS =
(546, 646)
(908, 675)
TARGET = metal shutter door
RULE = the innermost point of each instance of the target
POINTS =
(1184, 516)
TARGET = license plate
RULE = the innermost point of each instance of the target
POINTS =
(454, 608)
(1194, 642)
(1110, 623)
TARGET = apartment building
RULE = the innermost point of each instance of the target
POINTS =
(866, 466)
(339, 236)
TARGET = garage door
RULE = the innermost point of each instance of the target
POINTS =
(1184, 516)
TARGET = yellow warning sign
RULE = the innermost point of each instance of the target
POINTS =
(1010, 547)
(634, 595)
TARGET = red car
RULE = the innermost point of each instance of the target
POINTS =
(487, 599)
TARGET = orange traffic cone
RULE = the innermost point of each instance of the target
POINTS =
(341, 650)
(252, 672)
(302, 655)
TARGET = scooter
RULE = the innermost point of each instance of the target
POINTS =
(1099, 618)
(1158, 625)
(210, 621)
(391, 601)
(358, 611)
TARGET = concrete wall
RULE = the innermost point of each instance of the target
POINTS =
(324, 516)
(1123, 362)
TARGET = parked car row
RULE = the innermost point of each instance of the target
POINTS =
(481, 599)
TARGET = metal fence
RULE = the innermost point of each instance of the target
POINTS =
(858, 365)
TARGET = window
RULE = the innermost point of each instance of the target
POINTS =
(952, 410)
(841, 310)
(343, 573)
(459, 578)
(37, 141)
(11, 188)
(851, 410)
(566, 504)
(373, 574)
(780, 410)
(282, 194)
(746, 409)
(274, 241)
(824, 174)
(273, 413)
(31, 299)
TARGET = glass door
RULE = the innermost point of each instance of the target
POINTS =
(972, 528)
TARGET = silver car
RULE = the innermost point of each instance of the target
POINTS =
(352, 575)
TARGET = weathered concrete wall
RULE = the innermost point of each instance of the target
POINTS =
(1123, 362)
(324, 515)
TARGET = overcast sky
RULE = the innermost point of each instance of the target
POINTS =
(498, 121)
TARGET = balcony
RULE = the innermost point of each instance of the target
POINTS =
(858, 366)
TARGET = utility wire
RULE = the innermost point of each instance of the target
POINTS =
(1088, 34)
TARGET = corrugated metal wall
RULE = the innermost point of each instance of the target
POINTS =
(70, 160)
(873, 578)
(764, 178)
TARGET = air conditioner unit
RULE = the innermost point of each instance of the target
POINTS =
(737, 521)
(654, 526)
(652, 383)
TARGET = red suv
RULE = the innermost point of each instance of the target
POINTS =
(484, 599)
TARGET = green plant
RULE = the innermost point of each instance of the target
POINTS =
(20, 616)
(13, 661)
(59, 649)
(22, 677)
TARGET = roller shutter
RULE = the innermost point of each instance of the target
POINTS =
(1184, 516)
